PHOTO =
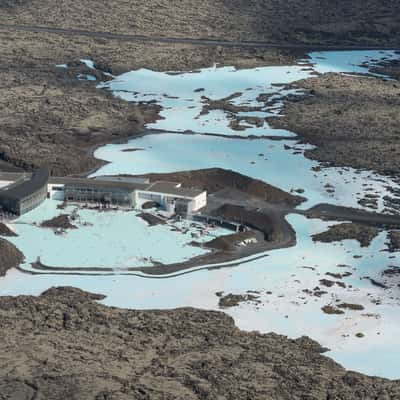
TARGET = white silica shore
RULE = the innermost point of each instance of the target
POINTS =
(282, 278)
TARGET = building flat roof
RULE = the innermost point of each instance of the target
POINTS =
(173, 189)
(98, 183)
(128, 179)
(14, 176)
(23, 188)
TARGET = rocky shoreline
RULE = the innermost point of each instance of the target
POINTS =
(177, 354)
(353, 121)
(364, 234)
(10, 257)
(52, 118)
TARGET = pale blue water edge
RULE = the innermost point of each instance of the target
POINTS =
(182, 102)
(288, 310)
(263, 159)
(109, 239)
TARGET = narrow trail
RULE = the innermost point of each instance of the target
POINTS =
(182, 40)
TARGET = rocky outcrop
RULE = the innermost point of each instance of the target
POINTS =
(364, 234)
(353, 121)
(10, 256)
(394, 241)
(229, 242)
(64, 345)
(61, 221)
(233, 300)
(49, 117)
(6, 231)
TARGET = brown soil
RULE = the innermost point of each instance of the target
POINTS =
(316, 21)
(56, 346)
(62, 221)
(362, 233)
(353, 121)
(10, 257)
(215, 179)
(6, 231)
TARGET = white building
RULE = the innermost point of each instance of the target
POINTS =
(172, 197)
(127, 192)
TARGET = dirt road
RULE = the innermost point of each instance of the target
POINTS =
(191, 41)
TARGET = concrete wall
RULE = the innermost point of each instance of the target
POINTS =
(194, 204)
(199, 202)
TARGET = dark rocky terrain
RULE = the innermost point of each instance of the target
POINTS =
(364, 234)
(233, 300)
(314, 21)
(62, 221)
(216, 179)
(394, 241)
(353, 121)
(50, 117)
(43, 108)
(63, 345)
(10, 256)
(6, 231)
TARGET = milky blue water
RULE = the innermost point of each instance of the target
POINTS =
(111, 239)
(267, 160)
(280, 276)
(288, 310)
(182, 101)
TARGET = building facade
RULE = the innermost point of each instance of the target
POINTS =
(98, 192)
(26, 193)
(21, 193)
(172, 197)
